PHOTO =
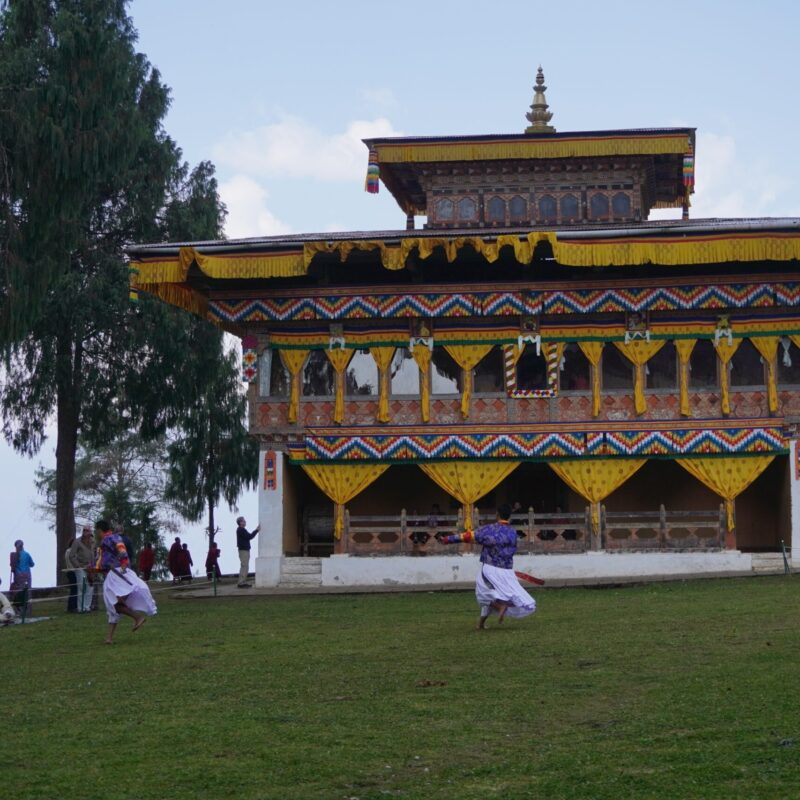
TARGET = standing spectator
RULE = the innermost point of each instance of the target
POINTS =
(243, 539)
(21, 564)
(69, 569)
(147, 560)
(184, 563)
(82, 558)
(212, 562)
(172, 558)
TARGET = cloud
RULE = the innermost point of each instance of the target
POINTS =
(292, 148)
(729, 185)
(248, 214)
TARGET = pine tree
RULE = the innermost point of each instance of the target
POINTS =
(212, 456)
(87, 169)
(80, 114)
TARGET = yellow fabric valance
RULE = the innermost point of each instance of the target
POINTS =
(342, 482)
(684, 348)
(595, 479)
(293, 360)
(701, 249)
(593, 352)
(178, 295)
(725, 353)
(162, 271)
(459, 332)
(393, 257)
(383, 358)
(639, 352)
(728, 477)
(468, 481)
(244, 265)
(422, 355)
(467, 356)
(339, 359)
(533, 147)
(767, 346)
(708, 248)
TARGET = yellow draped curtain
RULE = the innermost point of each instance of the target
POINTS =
(639, 352)
(468, 481)
(595, 478)
(725, 353)
(727, 476)
(383, 358)
(422, 355)
(593, 352)
(684, 348)
(293, 360)
(795, 337)
(339, 358)
(767, 346)
(342, 482)
(467, 356)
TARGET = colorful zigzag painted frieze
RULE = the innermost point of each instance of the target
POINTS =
(544, 445)
(508, 303)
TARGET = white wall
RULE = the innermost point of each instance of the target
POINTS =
(442, 570)
(270, 518)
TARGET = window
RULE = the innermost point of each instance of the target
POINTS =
(661, 371)
(575, 372)
(621, 204)
(445, 373)
(496, 210)
(599, 206)
(404, 373)
(518, 209)
(788, 374)
(445, 209)
(318, 376)
(531, 370)
(547, 207)
(617, 370)
(467, 209)
(746, 365)
(361, 376)
(703, 366)
(570, 209)
(273, 378)
(489, 374)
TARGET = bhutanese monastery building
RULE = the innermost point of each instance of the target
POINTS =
(631, 386)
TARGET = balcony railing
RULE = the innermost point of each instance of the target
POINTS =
(662, 530)
(560, 532)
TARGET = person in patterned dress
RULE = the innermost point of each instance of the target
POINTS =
(496, 587)
(124, 592)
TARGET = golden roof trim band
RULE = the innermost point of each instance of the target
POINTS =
(571, 252)
(535, 147)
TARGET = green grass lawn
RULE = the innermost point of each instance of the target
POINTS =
(680, 690)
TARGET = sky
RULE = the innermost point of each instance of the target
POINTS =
(279, 95)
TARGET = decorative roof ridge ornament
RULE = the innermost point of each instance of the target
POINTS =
(539, 116)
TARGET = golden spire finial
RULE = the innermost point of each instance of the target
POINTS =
(539, 116)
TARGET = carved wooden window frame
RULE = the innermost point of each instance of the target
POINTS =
(510, 365)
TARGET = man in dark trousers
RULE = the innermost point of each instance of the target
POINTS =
(243, 539)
